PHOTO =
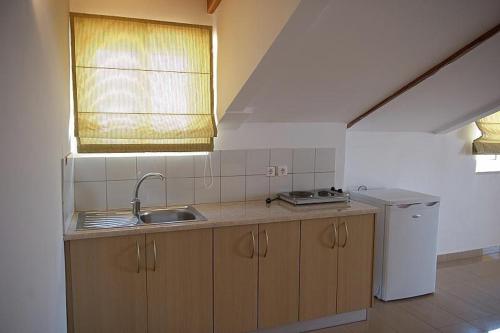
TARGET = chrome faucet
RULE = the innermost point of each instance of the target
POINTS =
(136, 203)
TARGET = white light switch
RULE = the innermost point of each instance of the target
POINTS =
(282, 170)
(271, 171)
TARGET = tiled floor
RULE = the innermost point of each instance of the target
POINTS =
(467, 300)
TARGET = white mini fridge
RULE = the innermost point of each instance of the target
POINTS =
(405, 242)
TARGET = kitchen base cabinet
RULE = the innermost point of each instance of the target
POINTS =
(355, 263)
(278, 273)
(180, 281)
(235, 279)
(318, 268)
(108, 285)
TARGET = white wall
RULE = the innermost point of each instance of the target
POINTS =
(437, 164)
(33, 138)
(287, 135)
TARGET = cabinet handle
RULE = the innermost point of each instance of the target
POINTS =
(335, 235)
(346, 235)
(267, 243)
(253, 244)
(138, 257)
(154, 255)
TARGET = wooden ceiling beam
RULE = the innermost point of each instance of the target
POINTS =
(430, 72)
(212, 5)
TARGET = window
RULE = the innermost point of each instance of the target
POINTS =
(141, 86)
(487, 163)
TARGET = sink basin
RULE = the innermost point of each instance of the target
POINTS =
(103, 220)
(171, 215)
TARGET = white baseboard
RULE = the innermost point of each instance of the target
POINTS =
(316, 324)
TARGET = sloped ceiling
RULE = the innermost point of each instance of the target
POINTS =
(336, 58)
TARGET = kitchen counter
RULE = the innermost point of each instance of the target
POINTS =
(230, 214)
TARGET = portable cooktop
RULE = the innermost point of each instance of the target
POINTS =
(314, 197)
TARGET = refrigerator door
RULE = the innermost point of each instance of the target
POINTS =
(410, 250)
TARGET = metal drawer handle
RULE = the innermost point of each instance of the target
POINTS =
(138, 257)
(334, 236)
(267, 243)
(416, 216)
(346, 235)
(253, 244)
(154, 256)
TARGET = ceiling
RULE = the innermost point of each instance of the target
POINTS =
(336, 58)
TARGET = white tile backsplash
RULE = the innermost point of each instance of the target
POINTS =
(282, 156)
(153, 193)
(180, 166)
(233, 162)
(324, 180)
(119, 193)
(303, 181)
(257, 187)
(209, 193)
(121, 168)
(199, 164)
(180, 191)
(257, 161)
(146, 164)
(280, 184)
(303, 160)
(242, 177)
(89, 169)
(232, 188)
(325, 160)
(90, 196)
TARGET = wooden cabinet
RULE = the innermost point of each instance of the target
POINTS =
(108, 285)
(278, 300)
(318, 268)
(355, 263)
(336, 265)
(180, 281)
(221, 280)
(235, 279)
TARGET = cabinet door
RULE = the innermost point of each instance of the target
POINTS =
(180, 281)
(318, 268)
(108, 285)
(355, 263)
(278, 273)
(235, 279)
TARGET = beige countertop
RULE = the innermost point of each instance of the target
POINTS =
(230, 214)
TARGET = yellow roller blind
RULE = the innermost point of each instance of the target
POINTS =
(141, 86)
(489, 141)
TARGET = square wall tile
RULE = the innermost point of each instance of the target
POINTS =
(199, 164)
(180, 191)
(153, 193)
(68, 189)
(119, 193)
(232, 162)
(203, 194)
(180, 166)
(324, 180)
(89, 169)
(257, 187)
(121, 168)
(146, 164)
(90, 196)
(280, 184)
(257, 161)
(303, 160)
(282, 156)
(232, 188)
(325, 160)
(303, 181)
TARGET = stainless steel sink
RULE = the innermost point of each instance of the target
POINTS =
(171, 215)
(103, 220)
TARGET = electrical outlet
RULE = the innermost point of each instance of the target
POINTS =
(271, 171)
(282, 170)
